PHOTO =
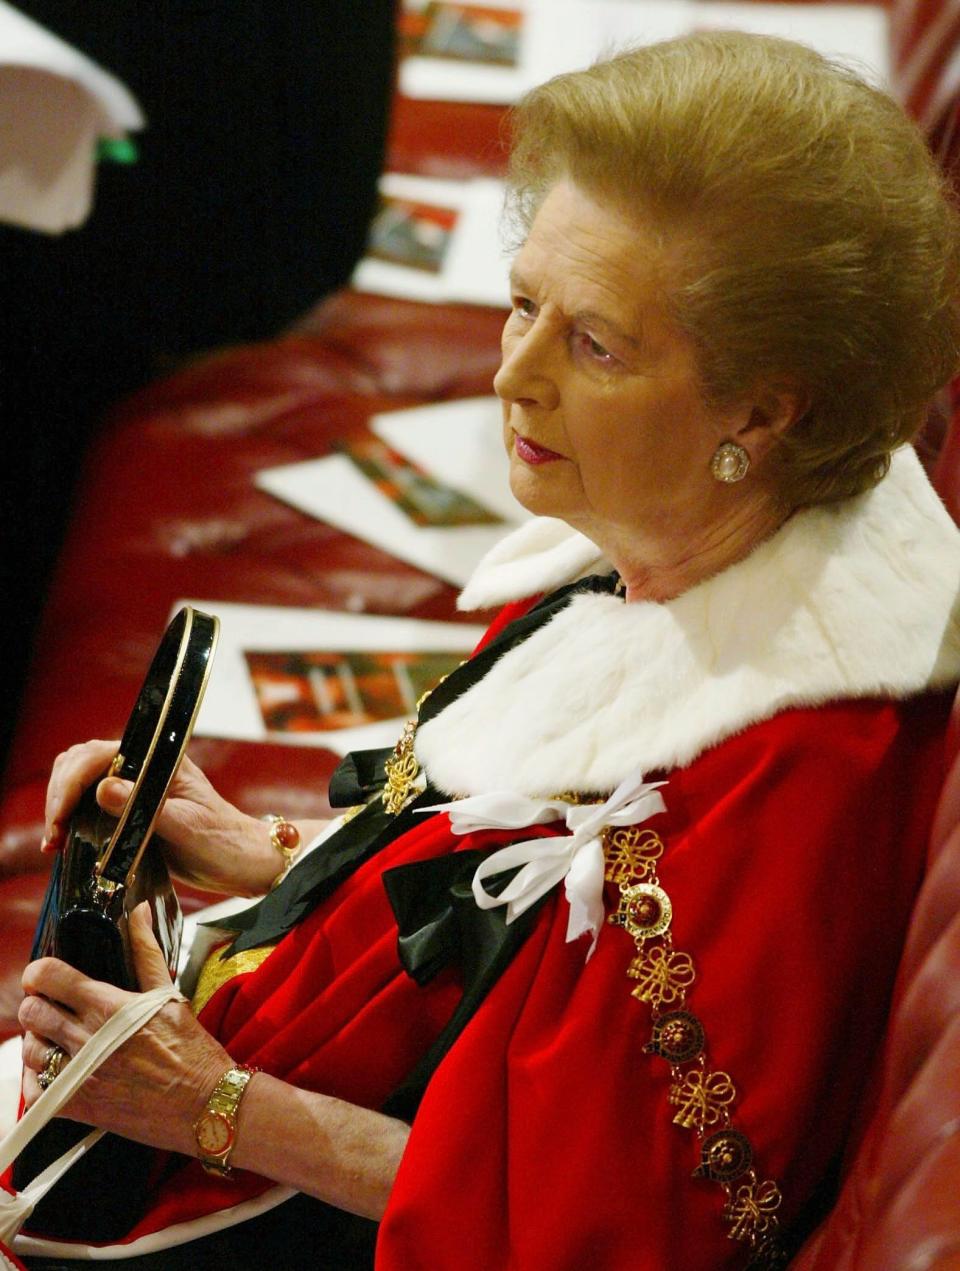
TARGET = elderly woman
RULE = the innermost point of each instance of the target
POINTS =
(596, 976)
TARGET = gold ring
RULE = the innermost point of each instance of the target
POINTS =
(53, 1062)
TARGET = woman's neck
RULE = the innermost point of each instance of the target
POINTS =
(662, 568)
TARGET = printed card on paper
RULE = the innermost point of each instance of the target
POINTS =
(308, 692)
(421, 497)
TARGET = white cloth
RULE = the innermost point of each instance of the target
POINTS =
(54, 105)
(11, 1069)
(575, 858)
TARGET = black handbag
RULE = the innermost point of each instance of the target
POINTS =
(107, 867)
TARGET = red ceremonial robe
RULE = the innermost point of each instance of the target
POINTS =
(545, 1138)
(793, 849)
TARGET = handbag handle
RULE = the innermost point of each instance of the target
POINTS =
(156, 735)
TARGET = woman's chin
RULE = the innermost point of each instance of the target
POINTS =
(537, 489)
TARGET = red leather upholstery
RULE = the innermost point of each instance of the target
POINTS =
(167, 510)
(900, 1206)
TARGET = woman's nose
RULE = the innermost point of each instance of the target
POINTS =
(527, 375)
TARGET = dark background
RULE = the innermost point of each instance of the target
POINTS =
(250, 200)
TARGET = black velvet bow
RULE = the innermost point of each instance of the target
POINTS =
(441, 924)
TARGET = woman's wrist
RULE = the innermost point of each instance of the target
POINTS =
(215, 1129)
(343, 1154)
(269, 858)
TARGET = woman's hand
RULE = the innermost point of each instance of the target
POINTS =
(206, 840)
(155, 1085)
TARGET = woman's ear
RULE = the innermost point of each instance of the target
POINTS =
(773, 411)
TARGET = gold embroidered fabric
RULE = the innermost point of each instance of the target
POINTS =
(702, 1096)
(216, 971)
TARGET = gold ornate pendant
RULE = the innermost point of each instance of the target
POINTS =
(402, 770)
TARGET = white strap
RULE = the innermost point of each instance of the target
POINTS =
(7, 1262)
(119, 1028)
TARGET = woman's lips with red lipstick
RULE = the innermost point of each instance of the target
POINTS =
(530, 452)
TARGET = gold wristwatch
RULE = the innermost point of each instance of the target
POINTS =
(216, 1127)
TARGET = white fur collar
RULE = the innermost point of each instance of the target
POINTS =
(848, 600)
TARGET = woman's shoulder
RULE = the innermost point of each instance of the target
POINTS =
(843, 745)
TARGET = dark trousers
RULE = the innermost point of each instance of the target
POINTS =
(299, 1233)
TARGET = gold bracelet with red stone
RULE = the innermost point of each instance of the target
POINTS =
(702, 1096)
(285, 837)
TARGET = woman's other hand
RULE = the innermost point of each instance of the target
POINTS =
(206, 840)
(155, 1085)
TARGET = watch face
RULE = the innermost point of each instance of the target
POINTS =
(214, 1133)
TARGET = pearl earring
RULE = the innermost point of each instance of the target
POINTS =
(730, 463)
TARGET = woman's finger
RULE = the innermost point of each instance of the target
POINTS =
(72, 772)
(77, 993)
(35, 1051)
(112, 794)
(46, 1019)
(52, 978)
(191, 804)
(148, 960)
(30, 1088)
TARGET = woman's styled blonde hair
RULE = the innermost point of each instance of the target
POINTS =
(811, 240)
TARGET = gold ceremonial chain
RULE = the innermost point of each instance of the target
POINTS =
(701, 1095)
(403, 768)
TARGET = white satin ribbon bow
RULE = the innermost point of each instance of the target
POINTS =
(576, 857)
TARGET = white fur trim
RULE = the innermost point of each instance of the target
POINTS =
(847, 600)
(541, 555)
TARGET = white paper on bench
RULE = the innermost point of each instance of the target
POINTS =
(457, 80)
(459, 443)
(333, 489)
(230, 707)
(476, 265)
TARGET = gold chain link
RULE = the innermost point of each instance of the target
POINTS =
(703, 1097)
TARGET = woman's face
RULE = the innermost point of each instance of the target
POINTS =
(603, 420)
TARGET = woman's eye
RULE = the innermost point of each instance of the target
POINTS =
(594, 349)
